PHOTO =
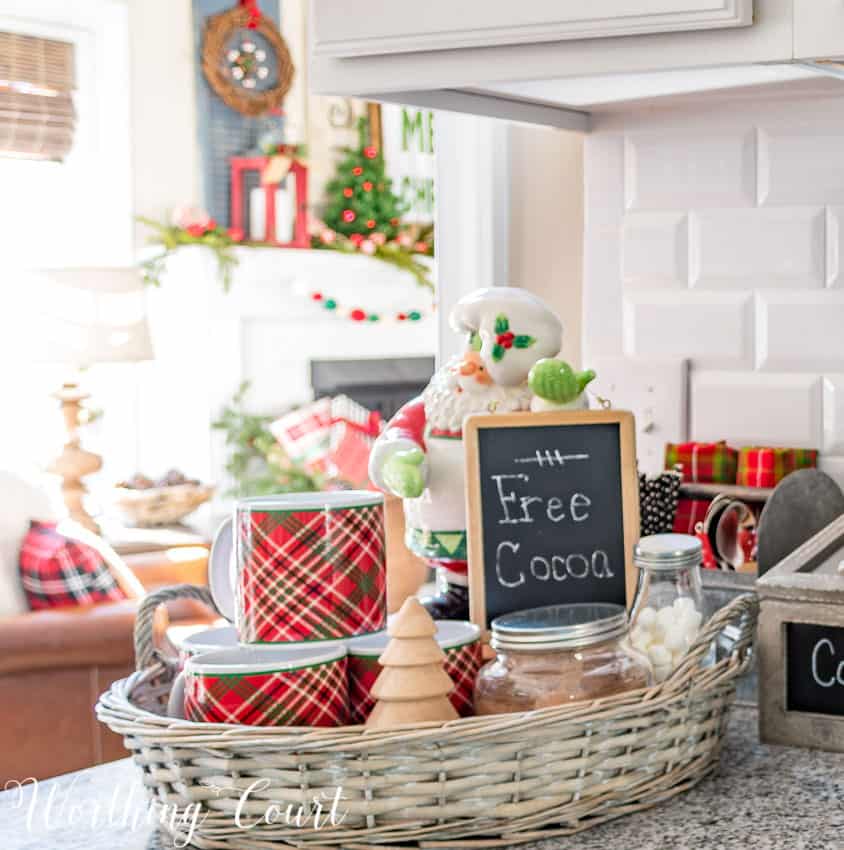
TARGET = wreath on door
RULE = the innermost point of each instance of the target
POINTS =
(246, 60)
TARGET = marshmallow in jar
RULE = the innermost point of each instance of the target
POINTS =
(668, 609)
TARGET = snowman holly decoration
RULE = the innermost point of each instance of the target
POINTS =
(419, 456)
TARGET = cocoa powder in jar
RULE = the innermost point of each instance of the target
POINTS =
(524, 677)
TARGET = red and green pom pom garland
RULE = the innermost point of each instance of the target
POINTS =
(357, 314)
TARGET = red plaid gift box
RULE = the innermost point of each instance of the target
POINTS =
(703, 462)
(57, 570)
(689, 513)
(764, 466)
(310, 435)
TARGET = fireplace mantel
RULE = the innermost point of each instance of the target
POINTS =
(266, 330)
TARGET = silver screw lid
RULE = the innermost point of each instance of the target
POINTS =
(559, 626)
(668, 552)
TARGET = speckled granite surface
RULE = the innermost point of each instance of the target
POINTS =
(765, 798)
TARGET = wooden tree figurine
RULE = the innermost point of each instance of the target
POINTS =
(413, 687)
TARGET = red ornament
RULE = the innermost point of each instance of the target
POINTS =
(236, 234)
(212, 224)
(505, 340)
(349, 216)
(196, 230)
(370, 223)
(367, 186)
(348, 192)
(357, 171)
(357, 315)
(356, 238)
(254, 13)
(316, 296)
(370, 151)
(401, 317)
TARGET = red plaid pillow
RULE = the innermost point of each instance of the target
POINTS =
(57, 570)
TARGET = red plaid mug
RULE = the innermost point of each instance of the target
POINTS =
(460, 641)
(264, 686)
(302, 567)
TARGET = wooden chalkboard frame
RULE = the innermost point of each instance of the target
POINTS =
(791, 592)
(474, 516)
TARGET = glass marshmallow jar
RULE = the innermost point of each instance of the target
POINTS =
(668, 608)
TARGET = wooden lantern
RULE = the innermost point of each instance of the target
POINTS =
(240, 166)
(801, 645)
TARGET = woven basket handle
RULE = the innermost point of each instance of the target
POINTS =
(146, 653)
(741, 611)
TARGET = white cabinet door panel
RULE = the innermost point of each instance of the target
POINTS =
(818, 29)
(387, 26)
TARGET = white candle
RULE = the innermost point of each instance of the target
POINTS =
(284, 214)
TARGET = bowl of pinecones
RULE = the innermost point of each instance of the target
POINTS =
(146, 502)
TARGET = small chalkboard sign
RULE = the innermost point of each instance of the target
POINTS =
(553, 510)
(801, 645)
(814, 661)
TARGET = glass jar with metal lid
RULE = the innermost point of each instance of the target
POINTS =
(668, 609)
(557, 655)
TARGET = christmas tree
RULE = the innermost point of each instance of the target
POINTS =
(361, 198)
(413, 687)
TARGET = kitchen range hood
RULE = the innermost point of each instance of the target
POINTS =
(555, 62)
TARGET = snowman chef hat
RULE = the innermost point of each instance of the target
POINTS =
(525, 312)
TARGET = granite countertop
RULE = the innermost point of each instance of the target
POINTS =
(767, 798)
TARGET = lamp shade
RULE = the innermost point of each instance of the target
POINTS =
(83, 316)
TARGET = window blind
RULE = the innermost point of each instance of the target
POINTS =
(37, 117)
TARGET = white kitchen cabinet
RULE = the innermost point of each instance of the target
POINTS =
(555, 62)
(818, 29)
(386, 26)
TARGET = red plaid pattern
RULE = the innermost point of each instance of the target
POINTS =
(310, 696)
(363, 671)
(761, 466)
(348, 455)
(307, 435)
(703, 462)
(57, 570)
(689, 513)
(461, 663)
(312, 575)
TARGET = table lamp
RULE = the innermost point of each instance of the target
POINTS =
(84, 316)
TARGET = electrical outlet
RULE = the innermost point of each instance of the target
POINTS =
(656, 391)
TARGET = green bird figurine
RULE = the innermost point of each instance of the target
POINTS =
(556, 386)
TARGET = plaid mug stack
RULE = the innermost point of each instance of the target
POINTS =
(299, 575)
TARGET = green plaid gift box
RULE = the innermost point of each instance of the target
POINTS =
(705, 463)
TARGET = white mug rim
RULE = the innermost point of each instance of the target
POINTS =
(451, 634)
(312, 501)
(267, 659)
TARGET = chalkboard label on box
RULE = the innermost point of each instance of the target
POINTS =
(553, 510)
(814, 668)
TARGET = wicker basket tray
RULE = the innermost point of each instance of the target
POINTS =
(473, 782)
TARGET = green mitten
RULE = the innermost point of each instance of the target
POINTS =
(555, 381)
(403, 473)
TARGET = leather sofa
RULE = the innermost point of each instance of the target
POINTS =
(55, 663)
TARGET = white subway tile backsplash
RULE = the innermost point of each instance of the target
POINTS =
(802, 162)
(717, 236)
(833, 467)
(747, 408)
(676, 169)
(758, 248)
(800, 331)
(706, 327)
(833, 414)
(654, 250)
